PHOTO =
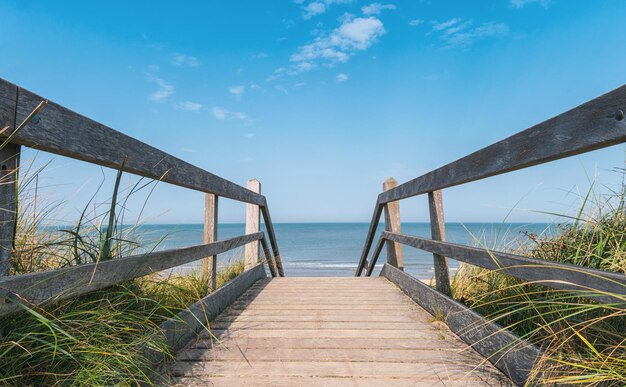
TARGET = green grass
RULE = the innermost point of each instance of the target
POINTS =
(99, 339)
(584, 341)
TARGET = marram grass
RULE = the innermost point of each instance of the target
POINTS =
(583, 341)
(98, 339)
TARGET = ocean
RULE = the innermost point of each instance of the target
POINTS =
(334, 249)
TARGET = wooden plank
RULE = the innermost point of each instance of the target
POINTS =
(392, 224)
(209, 235)
(371, 232)
(423, 356)
(433, 372)
(8, 177)
(592, 125)
(607, 287)
(328, 333)
(253, 225)
(64, 132)
(320, 317)
(38, 288)
(269, 226)
(329, 343)
(317, 381)
(250, 325)
(512, 355)
(438, 232)
(189, 323)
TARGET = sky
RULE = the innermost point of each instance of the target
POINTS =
(321, 100)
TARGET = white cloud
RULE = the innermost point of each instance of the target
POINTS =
(341, 77)
(376, 8)
(164, 89)
(188, 150)
(317, 7)
(223, 114)
(248, 135)
(522, 3)
(237, 91)
(314, 8)
(181, 60)
(282, 89)
(351, 36)
(189, 106)
(415, 22)
(458, 33)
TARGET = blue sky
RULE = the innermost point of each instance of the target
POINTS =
(322, 100)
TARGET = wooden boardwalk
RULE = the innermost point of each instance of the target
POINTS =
(330, 331)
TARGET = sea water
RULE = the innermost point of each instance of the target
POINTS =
(334, 249)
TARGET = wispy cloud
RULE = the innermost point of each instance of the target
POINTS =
(341, 77)
(376, 8)
(224, 114)
(248, 135)
(522, 3)
(181, 60)
(312, 9)
(317, 7)
(189, 106)
(463, 33)
(164, 89)
(353, 35)
(237, 91)
(415, 22)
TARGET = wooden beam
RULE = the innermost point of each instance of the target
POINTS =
(599, 285)
(253, 225)
(39, 288)
(268, 257)
(392, 224)
(377, 250)
(511, 354)
(209, 264)
(9, 163)
(593, 125)
(438, 232)
(269, 226)
(369, 239)
(61, 131)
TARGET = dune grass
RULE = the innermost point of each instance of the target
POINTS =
(99, 339)
(584, 341)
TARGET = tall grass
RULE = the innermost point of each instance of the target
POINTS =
(100, 338)
(583, 341)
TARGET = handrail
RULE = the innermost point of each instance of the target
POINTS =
(61, 131)
(596, 124)
(41, 287)
(606, 285)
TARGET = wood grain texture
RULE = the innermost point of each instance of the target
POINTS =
(592, 125)
(209, 235)
(8, 177)
(38, 288)
(300, 343)
(369, 239)
(512, 355)
(599, 285)
(253, 224)
(62, 131)
(438, 232)
(392, 224)
(269, 226)
(271, 264)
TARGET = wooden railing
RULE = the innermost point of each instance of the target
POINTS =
(596, 124)
(58, 130)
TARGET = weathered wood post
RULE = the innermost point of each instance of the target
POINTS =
(438, 232)
(209, 264)
(9, 163)
(392, 224)
(253, 223)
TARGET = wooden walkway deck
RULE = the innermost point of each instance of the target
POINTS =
(330, 332)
